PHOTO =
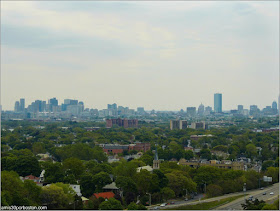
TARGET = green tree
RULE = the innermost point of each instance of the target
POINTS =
(32, 192)
(255, 205)
(87, 184)
(167, 193)
(214, 190)
(126, 184)
(54, 197)
(132, 206)
(111, 204)
(73, 166)
(100, 180)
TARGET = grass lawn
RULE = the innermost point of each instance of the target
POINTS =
(208, 205)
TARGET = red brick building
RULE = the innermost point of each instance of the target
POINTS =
(126, 123)
(116, 148)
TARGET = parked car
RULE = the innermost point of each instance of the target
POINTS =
(250, 198)
(271, 193)
(261, 188)
(156, 208)
(186, 199)
(163, 205)
(264, 193)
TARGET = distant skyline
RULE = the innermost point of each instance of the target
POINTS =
(157, 55)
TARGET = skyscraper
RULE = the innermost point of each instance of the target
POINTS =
(240, 109)
(17, 106)
(274, 105)
(191, 111)
(200, 110)
(22, 104)
(218, 103)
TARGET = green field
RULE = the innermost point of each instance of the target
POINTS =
(207, 205)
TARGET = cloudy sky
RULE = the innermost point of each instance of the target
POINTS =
(160, 55)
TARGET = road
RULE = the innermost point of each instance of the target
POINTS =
(236, 205)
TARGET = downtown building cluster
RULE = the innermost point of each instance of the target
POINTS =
(75, 109)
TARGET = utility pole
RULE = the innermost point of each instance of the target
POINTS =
(244, 190)
(150, 198)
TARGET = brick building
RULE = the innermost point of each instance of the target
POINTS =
(126, 123)
(116, 148)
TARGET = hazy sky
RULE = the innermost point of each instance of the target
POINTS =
(160, 55)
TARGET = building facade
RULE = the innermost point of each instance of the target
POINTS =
(218, 103)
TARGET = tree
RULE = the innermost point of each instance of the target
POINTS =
(274, 173)
(111, 204)
(53, 172)
(255, 205)
(100, 180)
(163, 180)
(205, 154)
(32, 192)
(178, 183)
(126, 184)
(214, 190)
(167, 193)
(266, 164)
(132, 206)
(146, 182)
(87, 184)
(12, 189)
(54, 197)
(251, 150)
(73, 166)
(189, 154)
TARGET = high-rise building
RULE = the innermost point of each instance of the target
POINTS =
(208, 110)
(191, 111)
(17, 106)
(22, 104)
(200, 110)
(218, 103)
(240, 109)
(140, 110)
(53, 103)
(254, 110)
(174, 124)
(274, 105)
(183, 124)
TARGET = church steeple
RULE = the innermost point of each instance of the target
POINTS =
(156, 161)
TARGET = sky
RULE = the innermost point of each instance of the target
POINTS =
(157, 55)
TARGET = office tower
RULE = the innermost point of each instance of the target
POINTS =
(208, 110)
(218, 103)
(141, 110)
(200, 110)
(274, 105)
(53, 103)
(183, 124)
(22, 104)
(44, 106)
(112, 106)
(240, 109)
(254, 110)
(174, 124)
(17, 108)
(191, 111)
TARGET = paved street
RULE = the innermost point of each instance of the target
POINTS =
(235, 205)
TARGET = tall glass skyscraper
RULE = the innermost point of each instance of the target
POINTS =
(218, 103)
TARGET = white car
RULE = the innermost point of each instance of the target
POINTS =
(271, 193)
(163, 205)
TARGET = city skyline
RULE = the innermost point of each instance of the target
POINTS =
(159, 55)
(114, 105)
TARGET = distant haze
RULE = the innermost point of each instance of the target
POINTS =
(159, 55)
